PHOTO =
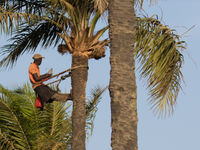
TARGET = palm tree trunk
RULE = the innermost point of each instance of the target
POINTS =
(79, 80)
(123, 90)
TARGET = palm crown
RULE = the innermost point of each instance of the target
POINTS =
(51, 22)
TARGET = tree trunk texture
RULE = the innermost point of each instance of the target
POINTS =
(79, 80)
(123, 90)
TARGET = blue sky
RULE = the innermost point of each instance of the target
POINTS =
(178, 132)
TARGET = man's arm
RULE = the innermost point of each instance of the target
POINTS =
(40, 78)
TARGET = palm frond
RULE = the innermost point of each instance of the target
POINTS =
(21, 122)
(158, 49)
(95, 38)
(93, 24)
(5, 142)
(22, 103)
(38, 127)
(11, 20)
(91, 107)
(10, 123)
(53, 120)
(27, 40)
(29, 114)
(33, 6)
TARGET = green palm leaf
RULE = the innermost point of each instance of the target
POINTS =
(10, 125)
(5, 142)
(27, 40)
(91, 107)
(52, 121)
(22, 126)
(158, 49)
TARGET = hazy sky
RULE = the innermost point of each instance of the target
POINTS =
(178, 132)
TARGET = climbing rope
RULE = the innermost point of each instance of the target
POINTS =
(59, 80)
(64, 76)
(68, 70)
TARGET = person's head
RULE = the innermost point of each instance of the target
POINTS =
(37, 59)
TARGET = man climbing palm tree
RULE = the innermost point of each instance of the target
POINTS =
(45, 93)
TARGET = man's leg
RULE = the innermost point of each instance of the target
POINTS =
(61, 97)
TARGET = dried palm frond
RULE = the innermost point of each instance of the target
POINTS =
(97, 53)
(101, 5)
